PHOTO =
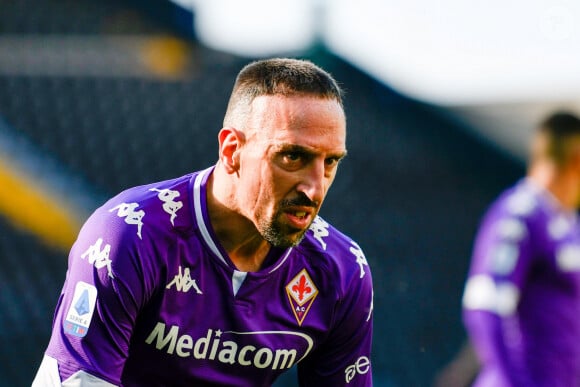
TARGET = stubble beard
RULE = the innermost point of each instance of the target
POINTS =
(278, 235)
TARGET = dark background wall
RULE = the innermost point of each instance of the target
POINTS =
(410, 192)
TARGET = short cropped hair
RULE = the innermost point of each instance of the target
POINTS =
(560, 129)
(280, 76)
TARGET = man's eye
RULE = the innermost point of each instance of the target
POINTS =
(332, 161)
(292, 156)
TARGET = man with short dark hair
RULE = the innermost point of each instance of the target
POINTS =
(226, 276)
(522, 296)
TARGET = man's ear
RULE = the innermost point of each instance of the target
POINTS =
(230, 143)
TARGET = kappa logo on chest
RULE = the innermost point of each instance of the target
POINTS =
(183, 282)
(301, 294)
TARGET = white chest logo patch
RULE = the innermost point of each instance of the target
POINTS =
(568, 258)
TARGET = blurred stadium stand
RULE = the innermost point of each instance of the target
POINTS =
(410, 192)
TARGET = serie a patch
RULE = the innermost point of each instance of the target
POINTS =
(80, 312)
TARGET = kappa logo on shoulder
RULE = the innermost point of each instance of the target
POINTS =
(131, 214)
(99, 257)
(170, 206)
(360, 257)
(183, 282)
(301, 294)
(319, 229)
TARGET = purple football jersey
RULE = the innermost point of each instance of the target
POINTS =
(152, 299)
(522, 297)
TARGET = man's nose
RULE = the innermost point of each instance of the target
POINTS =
(313, 182)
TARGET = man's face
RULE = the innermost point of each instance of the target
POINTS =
(288, 162)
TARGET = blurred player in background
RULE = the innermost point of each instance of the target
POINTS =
(522, 296)
(226, 276)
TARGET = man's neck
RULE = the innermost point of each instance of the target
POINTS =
(564, 187)
(237, 235)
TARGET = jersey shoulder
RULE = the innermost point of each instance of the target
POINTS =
(336, 253)
(522, 226)
(155, 210)
(524, 205)
(135, 229)
(522, 200)
(521, 206)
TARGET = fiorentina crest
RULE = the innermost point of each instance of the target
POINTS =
(301, 294)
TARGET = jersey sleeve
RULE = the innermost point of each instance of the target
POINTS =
(501, 261)
(109, 279)
(345, 357)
